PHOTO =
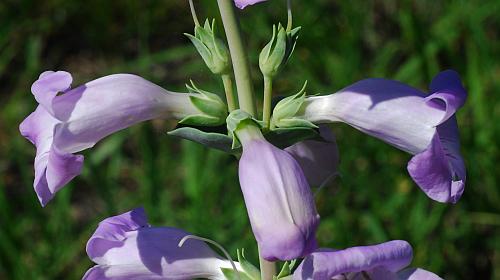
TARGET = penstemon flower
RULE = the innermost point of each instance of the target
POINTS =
(127, 247)
(68, 120)
(423, 125)
(278, 198)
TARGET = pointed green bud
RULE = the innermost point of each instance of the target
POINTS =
(213, 110)
(213, 51)
(278, 51)
(287, 108)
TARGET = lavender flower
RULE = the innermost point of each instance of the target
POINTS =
(127, 247)
(71, 120)
(318, 159)
(278, 198)
(377, 262)
(406, 118)
(243, 3)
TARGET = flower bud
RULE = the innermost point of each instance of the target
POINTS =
(279, 49)
(212, 49)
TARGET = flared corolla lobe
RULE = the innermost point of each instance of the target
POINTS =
(126, 247)
(71, 120)
(319, 159)
(423, 125)
(377, 262)
(278, 198)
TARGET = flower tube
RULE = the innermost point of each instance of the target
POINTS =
(71, 120)
(127, 247)
(384, 261)
(278, 198)
(424, 126)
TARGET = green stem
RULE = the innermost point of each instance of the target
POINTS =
(268, 94)
(267, 269)
(289, 14)
(228, 89)
(238, 57)
(193, 13)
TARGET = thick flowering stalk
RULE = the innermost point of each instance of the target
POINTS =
(71, 120)
(127, 247)
(318, 159)
(384, 261)
(279, 201)
(423, 125)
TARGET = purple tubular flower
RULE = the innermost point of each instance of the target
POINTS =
(71, 120)
(278, 198)
(318, 159)
(243, 3)
(378, 262)
(404, 117)
(126, 247)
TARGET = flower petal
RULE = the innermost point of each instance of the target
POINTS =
(126, 247)
(53, 168)
(48, 85)
(417, 274)
(318, 159)
(279, 200)
(243, 3)
(439, 170)
(402, 116)
(391, 256)
(77, 119)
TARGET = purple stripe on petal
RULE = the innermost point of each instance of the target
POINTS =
(243, 3)
(126, 247)
(68, 121)
(391, 256)
(279, 201)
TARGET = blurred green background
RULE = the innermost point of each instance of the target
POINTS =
(184, 185)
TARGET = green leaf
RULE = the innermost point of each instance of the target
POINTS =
(213, 140)
(284, 137)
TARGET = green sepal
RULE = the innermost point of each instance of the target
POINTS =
(236, 120)
(213, 110)
(230, 274)
(213, 51)
(286, 270)
(252, 271)
(213, 140)
(296, 122)
(291, 38)
(287, 108)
